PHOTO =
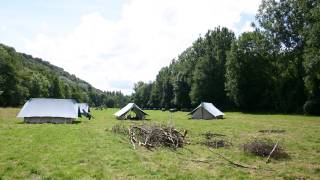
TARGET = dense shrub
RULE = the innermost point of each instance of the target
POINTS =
(312, 107)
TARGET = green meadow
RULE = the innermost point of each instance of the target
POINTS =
(89, 150)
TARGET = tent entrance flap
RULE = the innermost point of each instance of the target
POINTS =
(131, 112)
(206, 111)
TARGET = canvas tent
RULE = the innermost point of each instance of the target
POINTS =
(47, 110)
(206, 111)
(124, 113)
(84, 108)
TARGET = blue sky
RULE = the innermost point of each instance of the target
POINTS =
(113, 44)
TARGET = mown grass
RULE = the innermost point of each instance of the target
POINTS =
(89, 150)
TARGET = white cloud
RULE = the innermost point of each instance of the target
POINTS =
(3, 28)
(247, 27)
(148, 35)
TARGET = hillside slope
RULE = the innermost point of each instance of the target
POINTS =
(23, 76)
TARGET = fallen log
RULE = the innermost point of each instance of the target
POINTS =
(232, 162)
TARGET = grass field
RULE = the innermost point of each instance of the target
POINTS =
(89, 150)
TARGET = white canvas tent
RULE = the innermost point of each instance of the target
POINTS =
(206, 111)
(124, 113)
(84, 108)
(47, 110)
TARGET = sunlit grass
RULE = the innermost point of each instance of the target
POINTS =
(88, 150)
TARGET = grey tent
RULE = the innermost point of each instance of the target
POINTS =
(84, 108)
(124, 113)
(206, 111)
(47, 110)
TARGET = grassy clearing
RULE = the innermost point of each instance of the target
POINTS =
(89, 150)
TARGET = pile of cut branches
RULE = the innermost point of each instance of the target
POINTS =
(265, 147)
(152, 136)
(215, 140)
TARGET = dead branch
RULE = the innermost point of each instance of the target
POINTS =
(233, 163)
(274, 148)
(132, 140)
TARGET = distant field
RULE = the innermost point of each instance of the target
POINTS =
(88, 150)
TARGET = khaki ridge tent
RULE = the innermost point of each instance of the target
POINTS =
(206, 111)
(48, 110)
(125, 113)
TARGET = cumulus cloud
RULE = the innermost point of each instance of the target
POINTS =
(112, 55)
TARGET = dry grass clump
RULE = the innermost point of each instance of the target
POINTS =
(215, 140)
(120, 129)
(272, 131)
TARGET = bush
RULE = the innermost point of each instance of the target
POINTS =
(311, 107)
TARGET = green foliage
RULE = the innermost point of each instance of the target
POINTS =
(312, 107)
(293, 28)
(8, 83)
(55, 90)
(249, 76)
(209, 74)
(143, 92)
(39, 86)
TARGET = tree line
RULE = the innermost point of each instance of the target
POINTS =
(275, 68)
(23, 77)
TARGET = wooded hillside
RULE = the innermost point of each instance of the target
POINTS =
(23, 77)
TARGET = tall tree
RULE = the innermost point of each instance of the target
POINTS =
(8, 83)
(283, 23)
(39, 86)
(142, 92)
(312, 58)
(209, 74)
(55, 88)
(249, 76)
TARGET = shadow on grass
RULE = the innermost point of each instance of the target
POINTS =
(213, 119)
(76, 122)
(73, 122)
(134, 120)
(266, 113)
